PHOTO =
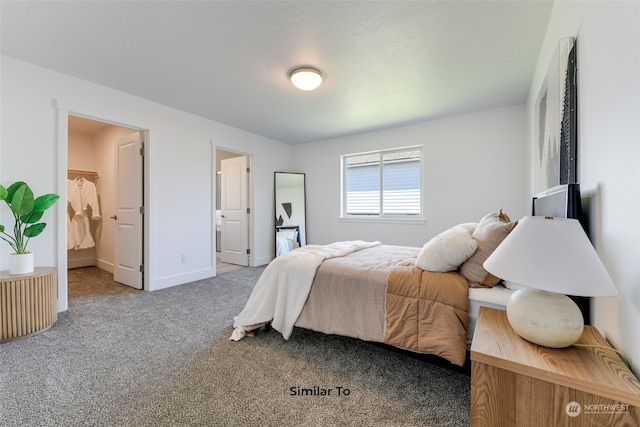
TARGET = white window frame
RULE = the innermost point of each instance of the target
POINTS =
(381, 217)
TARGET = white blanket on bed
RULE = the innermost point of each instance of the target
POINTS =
(283, 287)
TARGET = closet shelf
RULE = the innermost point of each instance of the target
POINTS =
(85, 173)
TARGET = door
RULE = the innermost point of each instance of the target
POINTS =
(235, 213)
(128, 234)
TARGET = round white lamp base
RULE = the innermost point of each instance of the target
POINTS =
(545, 318)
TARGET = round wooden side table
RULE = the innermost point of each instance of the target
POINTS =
(28, 303)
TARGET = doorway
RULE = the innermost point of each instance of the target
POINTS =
(105, 197)
(233, 212)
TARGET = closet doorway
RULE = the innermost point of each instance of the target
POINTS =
(105, 199)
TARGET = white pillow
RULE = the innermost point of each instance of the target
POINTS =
(469, 226)
(448, 250)
(288, 234)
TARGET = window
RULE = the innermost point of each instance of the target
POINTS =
(383, 184)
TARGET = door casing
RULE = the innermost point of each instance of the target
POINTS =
(64, 110)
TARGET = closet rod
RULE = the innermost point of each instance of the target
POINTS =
(81, 172)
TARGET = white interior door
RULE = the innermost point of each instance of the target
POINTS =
(128, 235)
(235, 215)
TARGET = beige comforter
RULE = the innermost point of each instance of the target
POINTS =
(283, 287)
(349, 297)
(427, 312)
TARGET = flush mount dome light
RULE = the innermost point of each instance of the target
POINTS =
(305, 78)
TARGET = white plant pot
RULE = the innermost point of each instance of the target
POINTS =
(21, 263)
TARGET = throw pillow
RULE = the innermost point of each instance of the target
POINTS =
(469, 226)
(490, 232)
(448, 250)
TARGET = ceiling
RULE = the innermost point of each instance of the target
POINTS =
(387, 63)
(82, 125)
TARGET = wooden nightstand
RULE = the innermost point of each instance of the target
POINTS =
(517, 383)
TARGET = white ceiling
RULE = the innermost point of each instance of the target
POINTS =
(82, 125)
(386, 63)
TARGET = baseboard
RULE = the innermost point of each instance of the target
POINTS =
(106, 266)
(82, 262)
(180, 279)
(264, 260)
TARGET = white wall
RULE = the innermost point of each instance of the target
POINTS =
(473, 164)
(180, 158)
(608, 46)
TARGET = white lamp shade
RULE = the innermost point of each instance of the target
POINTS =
(553, 255)
(306, 78)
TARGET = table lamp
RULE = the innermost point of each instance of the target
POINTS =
(551, 258)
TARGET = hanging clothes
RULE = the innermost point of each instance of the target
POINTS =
(71, 240)
(82, 195)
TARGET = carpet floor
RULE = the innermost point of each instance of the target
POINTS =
(120, 357)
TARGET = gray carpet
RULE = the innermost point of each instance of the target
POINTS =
(131, 358)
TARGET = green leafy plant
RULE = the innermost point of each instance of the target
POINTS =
(27, 211)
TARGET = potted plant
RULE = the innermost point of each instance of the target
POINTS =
(27, 212)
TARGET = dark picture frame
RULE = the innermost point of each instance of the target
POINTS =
(556, 120)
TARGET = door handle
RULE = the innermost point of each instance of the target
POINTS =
(114, 217)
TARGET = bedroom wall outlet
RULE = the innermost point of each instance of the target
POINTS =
(185, 258)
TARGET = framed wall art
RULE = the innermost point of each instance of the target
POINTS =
(556, 121)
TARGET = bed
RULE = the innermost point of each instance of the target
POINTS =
(379, 295)
(344, 288)
(423, 300)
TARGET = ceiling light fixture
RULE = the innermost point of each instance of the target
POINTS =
(306, 78)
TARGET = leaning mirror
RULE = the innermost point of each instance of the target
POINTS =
(290, 211)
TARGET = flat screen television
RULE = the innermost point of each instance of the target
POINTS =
(565, 201)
